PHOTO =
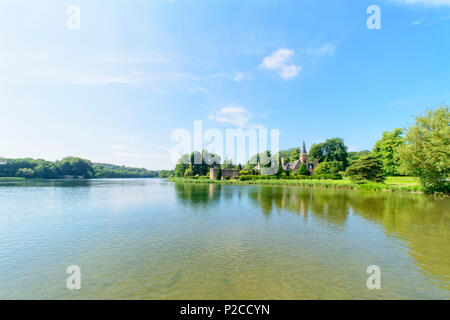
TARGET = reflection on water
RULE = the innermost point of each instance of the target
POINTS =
(152, 239)
(422, 222)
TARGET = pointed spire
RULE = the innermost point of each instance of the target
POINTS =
(304, 147)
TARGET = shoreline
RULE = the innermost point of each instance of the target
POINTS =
(327, 184)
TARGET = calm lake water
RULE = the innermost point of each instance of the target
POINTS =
(153, 239)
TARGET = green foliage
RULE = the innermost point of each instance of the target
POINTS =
(42, 169)
(426, 152)
(104, 170)
(387, 150)
(69, 166)
(189, 172)
(200, 163)
(25, 173)
(328, 167)
(295, 155)
(228, 164)
(303, 171)
(75, 166)
(329, 151)
(165, 174)
(249, 172)
(291, 177)
(263, 158)
(352, 156)
(366, 168)
(219, 174)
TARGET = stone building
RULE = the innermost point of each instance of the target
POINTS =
(296, 165)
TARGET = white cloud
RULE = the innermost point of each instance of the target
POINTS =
(239, 77)
(278, 60)
(430, 3)
(234, 115)
(327, 49)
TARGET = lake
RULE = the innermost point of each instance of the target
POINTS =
(154, 239)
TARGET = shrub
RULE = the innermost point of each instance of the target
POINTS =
(249, 172)
(328, 167)
(303, 170)
(367, 168)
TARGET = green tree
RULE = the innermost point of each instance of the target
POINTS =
(25, 173)
(75, 166)
(200, 163)
(303, 171)
(352, 156)
(387, 150)
(329, 151)
(317, 152)
(295, 155)
(328, 167)
(366, 168)
(426, 152)
(182, 165)
(189, 172)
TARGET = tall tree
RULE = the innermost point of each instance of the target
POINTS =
(426, 152)
(386, 149)
(329, 151)
(353, 156)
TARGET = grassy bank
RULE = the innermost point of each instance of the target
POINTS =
(394, 186)
(10, 179)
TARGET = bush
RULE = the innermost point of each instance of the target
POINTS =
(250, 172)
(303, 170)
(367, 168)
(328, 167)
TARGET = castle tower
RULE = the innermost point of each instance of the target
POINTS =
(304, 154)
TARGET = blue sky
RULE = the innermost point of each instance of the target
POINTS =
(114, 90)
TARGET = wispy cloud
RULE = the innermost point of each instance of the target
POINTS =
(234, 115)
(239, 77)
(327, 49)
(416, 22)
(278, 61)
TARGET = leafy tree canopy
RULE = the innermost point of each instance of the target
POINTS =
(426, 152)
(387, 150)
(329, 151)
(366, 168)
(328, 167)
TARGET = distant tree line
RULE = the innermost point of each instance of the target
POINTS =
(72, 166)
